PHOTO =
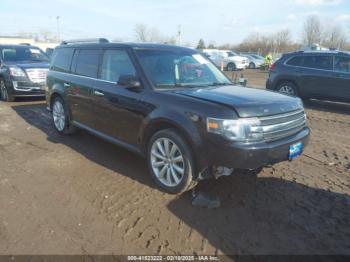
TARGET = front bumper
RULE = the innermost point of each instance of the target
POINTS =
(26, 88)
(253, 156)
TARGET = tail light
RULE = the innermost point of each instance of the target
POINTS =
(272, 67)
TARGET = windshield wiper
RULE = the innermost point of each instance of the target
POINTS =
(219, 84)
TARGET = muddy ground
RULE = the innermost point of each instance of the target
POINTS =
(79, 195)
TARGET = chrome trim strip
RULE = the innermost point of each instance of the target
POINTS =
(281, 115)
(283, 124)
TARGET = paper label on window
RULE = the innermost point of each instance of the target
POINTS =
(200, 59)
(35, 51)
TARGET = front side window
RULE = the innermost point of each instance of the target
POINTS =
(174, 68)
(87, 62)
(342, 64)
(324, 62)
(31, 54)
(116, 63)
(61, 59)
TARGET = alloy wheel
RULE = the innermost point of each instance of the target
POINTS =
(167, 162)
(59, 116)
(286, 89)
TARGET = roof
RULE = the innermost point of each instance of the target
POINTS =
(320, 52)
(15, 45)
(128, 45)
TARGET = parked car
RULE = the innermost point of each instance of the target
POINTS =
(254, 61)
(23, 70)
(173, 106)
(230, 60)
(312, 74)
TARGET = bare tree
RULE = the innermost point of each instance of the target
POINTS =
(312, 33)
(335, 37)
(141, 33)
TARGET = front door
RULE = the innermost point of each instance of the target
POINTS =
(118, 111)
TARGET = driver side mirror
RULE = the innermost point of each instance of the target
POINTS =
(129, 81)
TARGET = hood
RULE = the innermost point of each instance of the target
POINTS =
(247, 102)
(29, 64)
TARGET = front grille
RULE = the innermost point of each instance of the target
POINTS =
(283, 125)
(37, 75)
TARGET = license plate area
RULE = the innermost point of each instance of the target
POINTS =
(295, 150)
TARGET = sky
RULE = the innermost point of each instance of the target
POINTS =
(218, 21)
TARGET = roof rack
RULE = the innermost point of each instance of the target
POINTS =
(88, 40)
(27, 44)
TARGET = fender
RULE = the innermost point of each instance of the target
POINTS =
(171, 118)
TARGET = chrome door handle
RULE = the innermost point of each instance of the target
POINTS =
(66, 85)
(98, 93)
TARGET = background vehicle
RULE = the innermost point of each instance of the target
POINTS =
(312, 74)
(254, 61)
(173, 106)
(230, 60)
(23, 70)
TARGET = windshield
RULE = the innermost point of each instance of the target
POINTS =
(257, 57)
(230, 53)
(14, 54)
(174, 68)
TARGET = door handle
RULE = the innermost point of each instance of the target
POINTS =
(66, 84)
(98, 93)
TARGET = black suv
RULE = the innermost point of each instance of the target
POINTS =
(173, 106)
(314, 74)
(23, 70)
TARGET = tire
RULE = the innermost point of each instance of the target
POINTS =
(4, 94)
(287, 88)
(252, 66)
(231, 67)
(60, 117)
(173, 173)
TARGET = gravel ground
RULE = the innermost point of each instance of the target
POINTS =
(81, 195)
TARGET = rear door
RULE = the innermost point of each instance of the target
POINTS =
(316, 75)
(81, 83)
(341, 78)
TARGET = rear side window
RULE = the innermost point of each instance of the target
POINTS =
(342, 64)
(323, 62)
(116, 63)
(61, 59)
(87, 62)
(295, 61)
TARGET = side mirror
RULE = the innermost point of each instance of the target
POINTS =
(129, 81)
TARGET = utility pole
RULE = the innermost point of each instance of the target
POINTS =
(58, 28)
(179, 34)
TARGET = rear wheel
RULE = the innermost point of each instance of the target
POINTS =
(231, 67)
(4, 94)
(288, 88)
(60, 117)
(170, 161)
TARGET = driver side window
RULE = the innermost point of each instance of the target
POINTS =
(116, 63)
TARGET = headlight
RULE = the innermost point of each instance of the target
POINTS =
(243, 129)
(16, 71)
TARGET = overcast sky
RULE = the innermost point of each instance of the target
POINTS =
(221, 21)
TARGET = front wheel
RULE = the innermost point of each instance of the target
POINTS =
(4, 94)
(170, 161)
(252, 66)
(231, 67)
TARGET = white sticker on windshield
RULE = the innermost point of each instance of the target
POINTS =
(34, 51)
(200, 59)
